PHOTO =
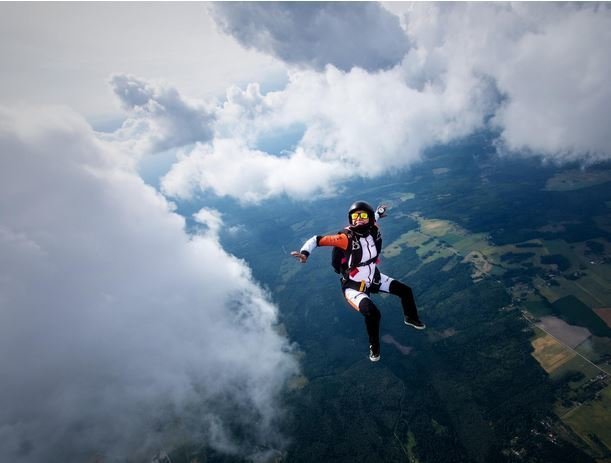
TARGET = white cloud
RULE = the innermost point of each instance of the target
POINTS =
(357, 125)
(211, 219)
(558, 94)
(549, 62)
(534, 72)
(318, 33)
(245, 113)
(113, 320)
(175, 41)
(160, 118)
(229, 168)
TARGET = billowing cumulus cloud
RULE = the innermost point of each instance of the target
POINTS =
(229, 168)
(548, 62)
(118, 331)
(534, 73)
(558, 95)
(315, 34)
(159, 117)
(357, 124)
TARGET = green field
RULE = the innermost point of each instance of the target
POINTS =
(406, 196)
(410, 446)
(576, 179)
(571, 264)
(440, 239)
(592, 421)
(597, 349)
(576, 364)
(427, 248)
(574, 312)
(537, 306)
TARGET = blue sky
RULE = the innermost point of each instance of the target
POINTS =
(253, 101)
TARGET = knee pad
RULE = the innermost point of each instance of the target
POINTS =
(400, 289)
(369, 309)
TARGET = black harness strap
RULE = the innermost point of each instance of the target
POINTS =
(374, 287)
(366, 263)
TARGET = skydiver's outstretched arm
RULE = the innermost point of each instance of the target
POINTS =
(339, 241)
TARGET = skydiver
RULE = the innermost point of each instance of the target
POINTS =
(356, 255)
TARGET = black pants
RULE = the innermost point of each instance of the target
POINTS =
(361, 302)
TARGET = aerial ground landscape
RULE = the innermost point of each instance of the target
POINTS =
(512, 274)
(163, 163)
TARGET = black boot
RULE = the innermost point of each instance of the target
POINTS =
(414, 322)
(374, 353)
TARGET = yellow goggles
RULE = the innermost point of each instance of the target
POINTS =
(357, 215)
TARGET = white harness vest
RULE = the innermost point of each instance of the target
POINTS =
(370, 252)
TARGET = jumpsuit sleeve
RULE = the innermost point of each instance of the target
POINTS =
(339, 241)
